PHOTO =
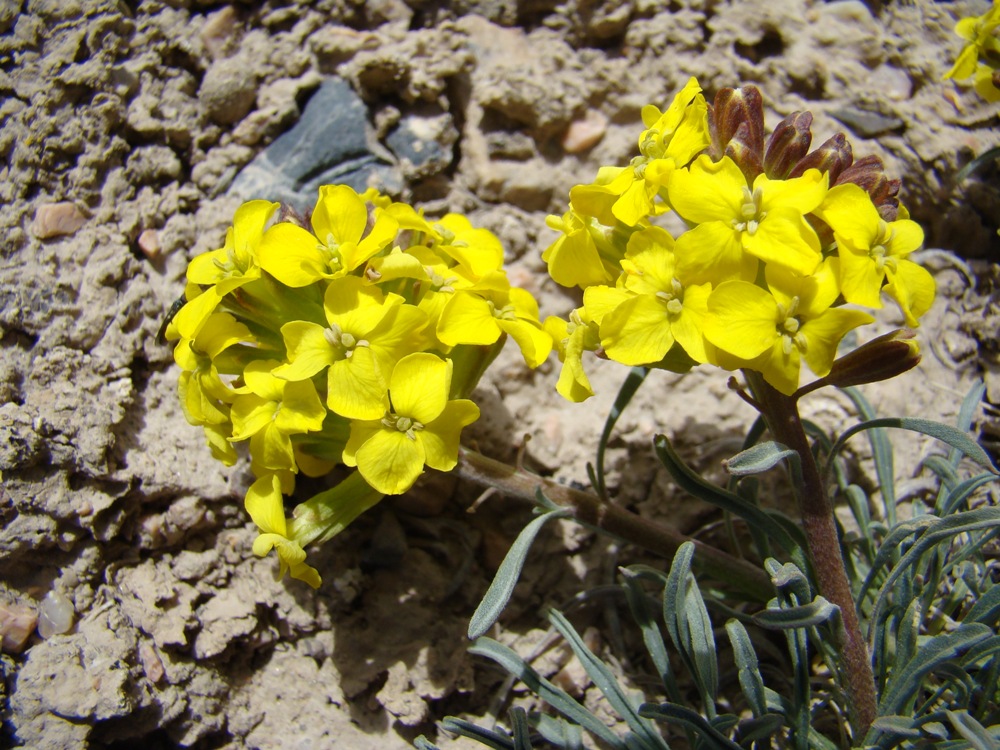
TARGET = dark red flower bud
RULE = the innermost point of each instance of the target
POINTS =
(833, 157)
(881, 358)
(788, 144)
(742, 151)
(736, 107)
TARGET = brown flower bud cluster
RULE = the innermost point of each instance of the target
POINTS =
(736, 124)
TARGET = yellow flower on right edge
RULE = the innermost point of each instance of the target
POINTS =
(980, 56)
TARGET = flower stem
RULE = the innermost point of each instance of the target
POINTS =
(782, 416)
(589, 509)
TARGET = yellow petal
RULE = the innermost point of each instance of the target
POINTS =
(264, 504)
(742, 319)
(293, 256)
(440, 438)
(419, 386)
(390, 461)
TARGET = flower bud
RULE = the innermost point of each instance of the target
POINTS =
(788, 144)
(833, 157)
(732, 109)
(881, 358)
(742, 150)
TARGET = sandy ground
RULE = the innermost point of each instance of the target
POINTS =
(124, 125)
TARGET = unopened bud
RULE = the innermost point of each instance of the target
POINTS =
(881, 358)
(833, 157)
(736, 107)
(788, 144)
(742, 150)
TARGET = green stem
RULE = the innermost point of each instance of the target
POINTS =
(782, 416)
(589, 509)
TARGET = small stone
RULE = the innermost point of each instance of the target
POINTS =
(149, 243)
(152, 665)
(228, 90)
(584, 134)
(17, 623)
(57, 219)
(55, 615)
(218, 30)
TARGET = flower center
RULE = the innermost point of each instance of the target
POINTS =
(750, 213)
(879, 251)
(330, 250)
(410, 427)
(507, 312)
(789, 328)
(674, 298)
(345, 343)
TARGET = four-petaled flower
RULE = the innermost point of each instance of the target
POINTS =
(422, 427)
(772, 330)
(739, 224)
(264, 504)
(872, 251)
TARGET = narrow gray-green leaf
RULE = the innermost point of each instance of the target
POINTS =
(802, 616)
(519, 729)
(881, 454)
(987, 608)
(482, 735)
(671, 712)
(635, 378)
(422, 743)
(943, 432)
(689, 626)
(644, 617)
(499, 592)
(978, 736)
(559, 699)
(559, 732)
(937, 531)
(748, 670)
(757, 459)
(904, 683)
(605, 681)
(692, 483)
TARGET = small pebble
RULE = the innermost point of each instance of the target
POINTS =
(584, 134)
(217, 31)
(17, 623)
(55, 615)
(149, 243)
(57, 219)
(228, 90)
(152, 665)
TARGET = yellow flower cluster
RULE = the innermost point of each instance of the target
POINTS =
(980, 57)
(778, 238)
(353, 341)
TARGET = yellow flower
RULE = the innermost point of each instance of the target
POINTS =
(226, 269)
(579, 257)
(367, 333)
(337, 245)
(658, 310)
(738, 224)
(481, 317)
(204, 396)
(572, 338)
(263, 503)
(269, 410)
(671, 139)
(421, 428)
(872, 251)
(773, 331)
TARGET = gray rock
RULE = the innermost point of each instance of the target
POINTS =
(228, 90)
(329, 144)
(424, 145)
